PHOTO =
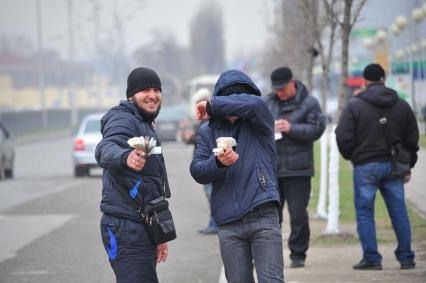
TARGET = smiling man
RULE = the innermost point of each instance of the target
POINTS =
(131, 252)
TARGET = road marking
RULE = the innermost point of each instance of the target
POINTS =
(31, 272)
(18, 231)
(18, 191)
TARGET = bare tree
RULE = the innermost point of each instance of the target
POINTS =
(351, 12)
(207, 42)
(289, 41)
(323, 27)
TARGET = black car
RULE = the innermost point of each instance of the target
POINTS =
(7, 154)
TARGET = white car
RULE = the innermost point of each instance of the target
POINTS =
(85, 142)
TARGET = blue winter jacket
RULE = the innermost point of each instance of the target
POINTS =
(252, 180)
(117, 126)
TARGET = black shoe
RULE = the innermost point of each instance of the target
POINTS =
(209, 231)
(297, 263)
(364, 265)
(408, 265)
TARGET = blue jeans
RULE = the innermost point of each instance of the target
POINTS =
(368, 179)
(254, 239)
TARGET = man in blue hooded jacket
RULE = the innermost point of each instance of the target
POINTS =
(131, 253)
(245, 197)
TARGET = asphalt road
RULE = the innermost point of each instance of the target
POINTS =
(49, 221)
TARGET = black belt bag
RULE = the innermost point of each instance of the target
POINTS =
(158, 221)
(400, 155)
(401, 160)
(156, 214)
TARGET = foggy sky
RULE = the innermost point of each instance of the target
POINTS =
(246, 22)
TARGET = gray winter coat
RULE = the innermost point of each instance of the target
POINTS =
(295, 149)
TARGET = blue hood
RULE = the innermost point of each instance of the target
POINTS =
(232, 77)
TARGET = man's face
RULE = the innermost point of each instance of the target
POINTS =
(148, 99)
(287, 92)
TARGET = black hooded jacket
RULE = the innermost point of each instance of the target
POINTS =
(359, 134)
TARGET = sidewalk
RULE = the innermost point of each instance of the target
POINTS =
(416, 188)
(333, 263)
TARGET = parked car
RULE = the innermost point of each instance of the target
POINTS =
(85, 142)
(7, 154)
(171, 121)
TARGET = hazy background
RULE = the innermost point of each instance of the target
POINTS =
(245, 23)
(63, 59)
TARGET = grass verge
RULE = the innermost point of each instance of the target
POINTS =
(347, 210)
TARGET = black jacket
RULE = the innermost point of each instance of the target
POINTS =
(117, 126)
(295, 149)
(359, 134)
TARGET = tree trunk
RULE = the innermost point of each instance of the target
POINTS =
(346, 29)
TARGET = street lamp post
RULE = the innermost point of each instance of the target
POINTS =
(423, 58)
(411, 50)
(71, 71)
(41, 83)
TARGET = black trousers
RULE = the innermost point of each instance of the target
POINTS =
(296, 192)
(131, 253)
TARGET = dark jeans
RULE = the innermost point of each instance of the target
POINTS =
(368, 179)
(131, 253)
(254, 239)
(296, 191)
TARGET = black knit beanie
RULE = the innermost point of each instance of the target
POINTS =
(373, 73)
(237, 89)
(140, 79)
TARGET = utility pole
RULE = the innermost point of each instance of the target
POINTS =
(40, 68)
(119, 55)
(98, 91)
(71, 69)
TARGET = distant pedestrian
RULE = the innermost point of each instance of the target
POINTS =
(362, 139)
(245, 195)
(190, 137)
(299, 121)
(131, 252)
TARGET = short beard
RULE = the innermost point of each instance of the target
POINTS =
(149, 116)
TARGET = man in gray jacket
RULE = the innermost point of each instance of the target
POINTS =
(298, 123)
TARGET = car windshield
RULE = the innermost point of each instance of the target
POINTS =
(92, 126)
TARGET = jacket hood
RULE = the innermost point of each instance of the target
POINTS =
(124, 106)
(232, 77)
(379, 95)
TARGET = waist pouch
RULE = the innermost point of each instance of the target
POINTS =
(158, 221)
(401, 159)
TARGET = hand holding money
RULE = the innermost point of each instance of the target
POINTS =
(149, 145)
(228, 157)
(136, 159)
(143, 147)
(224, 143)
(225, 150)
